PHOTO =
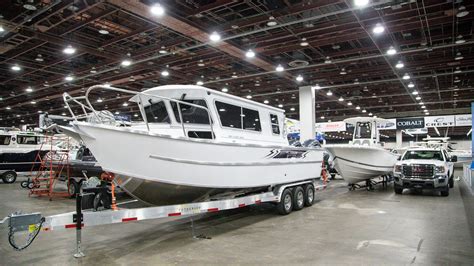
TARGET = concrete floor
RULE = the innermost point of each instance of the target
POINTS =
(357, 227)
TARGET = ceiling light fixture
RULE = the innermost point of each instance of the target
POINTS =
(406, 76)
(125, 104)
(279, 68)
(357, 107)
(271, 21)
(361, 3)
(411, 85)
(39, 58)
(215, 37)
(457, 71)
(364, 111)
(328, 60)
(329, 93)
(99, 100)
(93, 71)
(157, 10)
(225, 89)
(299, 78)
(33, 102)
(317, 87)
(304, 42)
(250, 54)
(69, 50)
(370, 114)
(415, 93)
(399, 65)
(462, 12)
(69, 78)
(343, 71)
(29, 89)
(266, 102)
(249, 97)
(418, 98)
(126, 63)
(378, 29)
(2, 29)
(322, 117)
(292, 109)
(458, 56)
(165, 73)
(15, 68)
(423, 107)
(280, 105)
(349, 103)
(459, 40)
(199, 83)
(391, 51)
(103, 31)
(341, 99)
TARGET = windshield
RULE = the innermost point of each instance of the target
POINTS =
(423, 155)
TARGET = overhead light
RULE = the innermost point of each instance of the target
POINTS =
(117, 112)
(462, 12)
(215, 37)
(406, 76)
(2, 29)
(63, 113)
(165, 73)
(292, 108)
(126, 63)
(100, 100)
(135, 115)
(418, 98)
(16, 68)
(391, 51)
(459, 40)
(399, 65)
(329, 93)
(33, 102)
(162, 50)
(199, 83)
(39, 58)
(343, 71)
(93, 71)
(322, 117)
(234, 75)
(426, 113)
(271, 22)
(328, 60)
(317, 87)
(349, 103)
(304, 42)
(458, 56)
(361, 3)
(420, 103)
(423, 107)
(69, 78)
(103, 31)
(341, 99)
(370, 114)
(279, 68)
(415, 93)
(364, 111)
(157, 10)
(8, 108)
(69, 50)
(458, 70)
(39, 111)
(280, 105)
(357, 107)
(250, 53)
(411, 85)
(299, 78)
(29, 89)
(249, 97)
(201, 63)
(125, 104)
(378, 28)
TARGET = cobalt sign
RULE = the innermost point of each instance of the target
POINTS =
(413, 122)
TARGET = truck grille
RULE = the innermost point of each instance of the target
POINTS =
(419, 170)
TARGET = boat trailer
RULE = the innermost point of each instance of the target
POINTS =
(35, 222)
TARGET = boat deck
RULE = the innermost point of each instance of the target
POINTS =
(357, 227)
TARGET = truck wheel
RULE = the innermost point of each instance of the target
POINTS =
(308, 195)
(445, 192)
(451, 182)
(285, 206)
(298, 198)
(9, 177)
(398, 190)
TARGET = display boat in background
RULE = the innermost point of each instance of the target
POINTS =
(194, 144)
(364, 157)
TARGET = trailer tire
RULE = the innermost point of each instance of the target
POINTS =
(285, 206)
(298, 198)
(309, 195)
(24, 184)
(72, 188)
(9, 177)
(398, 189)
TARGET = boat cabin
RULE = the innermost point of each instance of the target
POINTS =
(233, 119)
(11, 139)
(365, 130)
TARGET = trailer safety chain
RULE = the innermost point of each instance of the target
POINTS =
(33, 233)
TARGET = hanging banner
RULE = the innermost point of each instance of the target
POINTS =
(417, 131)
(331, 126)
(463, 120)
(390, 124)
(412, 122)
(439, 121)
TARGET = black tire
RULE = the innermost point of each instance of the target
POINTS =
(398, 190)
(102, 200)
(309, 195)
(72, 188)
(9, 177)
(285, 206)
(298, 198)
(31, 185)
(445, 192)
(451, 182)
(24, 184)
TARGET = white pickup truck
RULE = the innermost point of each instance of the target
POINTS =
(424, 168)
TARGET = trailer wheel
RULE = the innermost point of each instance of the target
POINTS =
(72, 188)
(31, 185)
(285, 206)
(298, 198)
(9, 177)
(24, 184)
(308, 195)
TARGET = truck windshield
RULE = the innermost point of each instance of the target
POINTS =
(423, 155)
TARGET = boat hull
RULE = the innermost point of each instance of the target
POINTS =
(359, 163)
(191, 168)
(20, 161)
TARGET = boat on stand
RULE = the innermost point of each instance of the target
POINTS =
(193, 144)
(363, 158)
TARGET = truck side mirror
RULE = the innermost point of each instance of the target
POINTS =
(454, 158)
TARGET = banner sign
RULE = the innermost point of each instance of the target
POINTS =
(331, 126)
(391, 124)
(463, 120)
(412, 122)
(439, 121)
(417, 131)
(123, 118)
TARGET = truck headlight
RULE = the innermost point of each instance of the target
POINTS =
(398, 168)
(440, 169)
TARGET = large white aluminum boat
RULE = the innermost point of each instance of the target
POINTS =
(226, 144)
(364, 157)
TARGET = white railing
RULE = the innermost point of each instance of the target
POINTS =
(101, 117)
(468, 175)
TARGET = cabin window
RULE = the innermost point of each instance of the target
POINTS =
(156, 112)
(363, 130)
(28, 140)
(5, 140)
(275, 126)
(238, 117)
(200, 134)
(230, 115)
(191, 114)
